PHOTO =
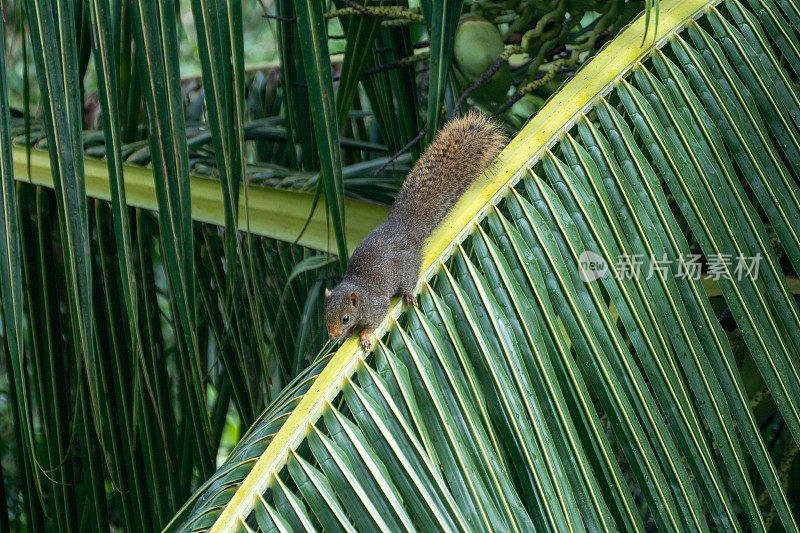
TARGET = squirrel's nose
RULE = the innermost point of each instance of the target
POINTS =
(331, 336)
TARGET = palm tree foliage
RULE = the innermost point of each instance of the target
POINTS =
(521, 395)
(162, 260)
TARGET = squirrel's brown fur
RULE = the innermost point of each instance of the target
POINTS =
(387, 261)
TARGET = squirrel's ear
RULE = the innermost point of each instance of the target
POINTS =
(328, 293)
(354, 299)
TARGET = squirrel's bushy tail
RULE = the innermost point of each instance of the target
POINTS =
(459, 153)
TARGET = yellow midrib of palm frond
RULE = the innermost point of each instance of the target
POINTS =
(278, 214)
(594, 80)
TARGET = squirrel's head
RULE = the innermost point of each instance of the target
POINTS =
(342, 310)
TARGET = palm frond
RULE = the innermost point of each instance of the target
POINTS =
(156, 40)
(314, 50)
(489, 406)
(11, 286)
(442, 19)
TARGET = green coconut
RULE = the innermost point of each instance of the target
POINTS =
(523, 110)
(477, 46)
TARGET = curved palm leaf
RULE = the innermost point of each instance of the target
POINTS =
(481, 410)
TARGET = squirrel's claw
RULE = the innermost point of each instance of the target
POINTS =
(409, 299)
(366, 339)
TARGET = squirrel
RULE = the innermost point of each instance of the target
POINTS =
(387, 262)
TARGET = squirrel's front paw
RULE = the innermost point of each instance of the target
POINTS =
(366, 339)
(409, 299)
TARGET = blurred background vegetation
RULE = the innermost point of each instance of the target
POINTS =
(151, 340)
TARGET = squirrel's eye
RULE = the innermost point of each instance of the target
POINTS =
(345, 319)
